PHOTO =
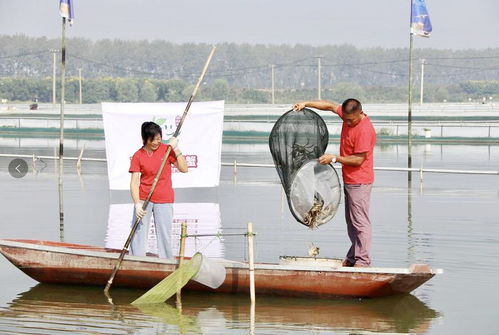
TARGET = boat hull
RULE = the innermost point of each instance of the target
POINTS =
(63, 263)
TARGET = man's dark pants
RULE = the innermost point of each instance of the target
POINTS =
(357, 199)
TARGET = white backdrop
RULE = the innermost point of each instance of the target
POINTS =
(200, 139)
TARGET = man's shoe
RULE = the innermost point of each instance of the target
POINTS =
(346, 263)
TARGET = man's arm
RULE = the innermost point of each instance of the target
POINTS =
(352, 160)
(318, 104)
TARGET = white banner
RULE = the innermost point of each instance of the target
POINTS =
(200, 139)
(201, 218)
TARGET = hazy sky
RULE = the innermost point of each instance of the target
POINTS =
(457, 24)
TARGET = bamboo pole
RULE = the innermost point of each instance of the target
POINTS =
(421, 90)
(409, 138)
(251, 262)
(79, 75)
(61, 138)
(319, 75)
(409, 108)
(273, 83)
(54, 64)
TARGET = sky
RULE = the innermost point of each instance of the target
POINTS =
(457, 24)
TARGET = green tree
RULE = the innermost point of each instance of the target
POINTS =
(175, 90)
(148, 92)
(342, 91)
(252, 96)
(219, 90)
(96, 90)
(126, 90)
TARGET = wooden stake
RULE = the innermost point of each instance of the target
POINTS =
(183, 235)
(78, 163)
(251, 262)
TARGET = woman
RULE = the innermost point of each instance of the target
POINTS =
(143, 167)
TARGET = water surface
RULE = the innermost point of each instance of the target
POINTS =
(448, 221)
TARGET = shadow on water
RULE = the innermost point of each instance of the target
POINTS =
(47, 309)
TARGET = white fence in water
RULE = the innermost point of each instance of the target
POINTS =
(235, 165)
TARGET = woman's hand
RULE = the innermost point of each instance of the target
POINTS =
(173, 142)
(139, 212)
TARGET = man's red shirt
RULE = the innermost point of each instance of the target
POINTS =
(355, 140)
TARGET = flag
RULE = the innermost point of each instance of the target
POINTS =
(66, 10)
(420, 20)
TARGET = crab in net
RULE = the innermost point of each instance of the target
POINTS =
(302, 153)
(313, 217)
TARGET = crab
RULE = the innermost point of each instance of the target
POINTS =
(310, 219)
(302, 153)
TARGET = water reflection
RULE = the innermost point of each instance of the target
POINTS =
(46, 309)
(201, 218)
(411, 248)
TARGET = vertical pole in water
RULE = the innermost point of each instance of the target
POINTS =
(54, 64)
(251, 262)
(183, 235)
(409, 111)
(252, 318)
(61, 138)
(319, 78)
(79, 74)
(421, 93)
(55, 160)
(273, 84)
(409, 147)
(78, 162)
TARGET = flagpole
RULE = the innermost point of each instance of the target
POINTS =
(61, 138)
(409, 108)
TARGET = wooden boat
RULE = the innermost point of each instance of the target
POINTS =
(65, 263)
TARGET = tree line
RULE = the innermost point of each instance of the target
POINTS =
(117, 70)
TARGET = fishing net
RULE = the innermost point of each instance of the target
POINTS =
(171, 284)
(313, 191)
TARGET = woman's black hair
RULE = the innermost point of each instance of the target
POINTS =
(149, 130)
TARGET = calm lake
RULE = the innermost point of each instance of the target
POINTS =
(450, 221)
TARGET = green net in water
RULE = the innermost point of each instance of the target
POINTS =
(166, 288)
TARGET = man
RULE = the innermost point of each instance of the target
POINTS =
(357, 142)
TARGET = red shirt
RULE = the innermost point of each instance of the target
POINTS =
(355, 140)
(148, 166)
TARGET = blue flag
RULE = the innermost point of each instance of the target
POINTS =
(420, 20)
(66, 10)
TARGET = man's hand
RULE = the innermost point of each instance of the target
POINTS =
(139, 212)
(299, 106)
(327, 159)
